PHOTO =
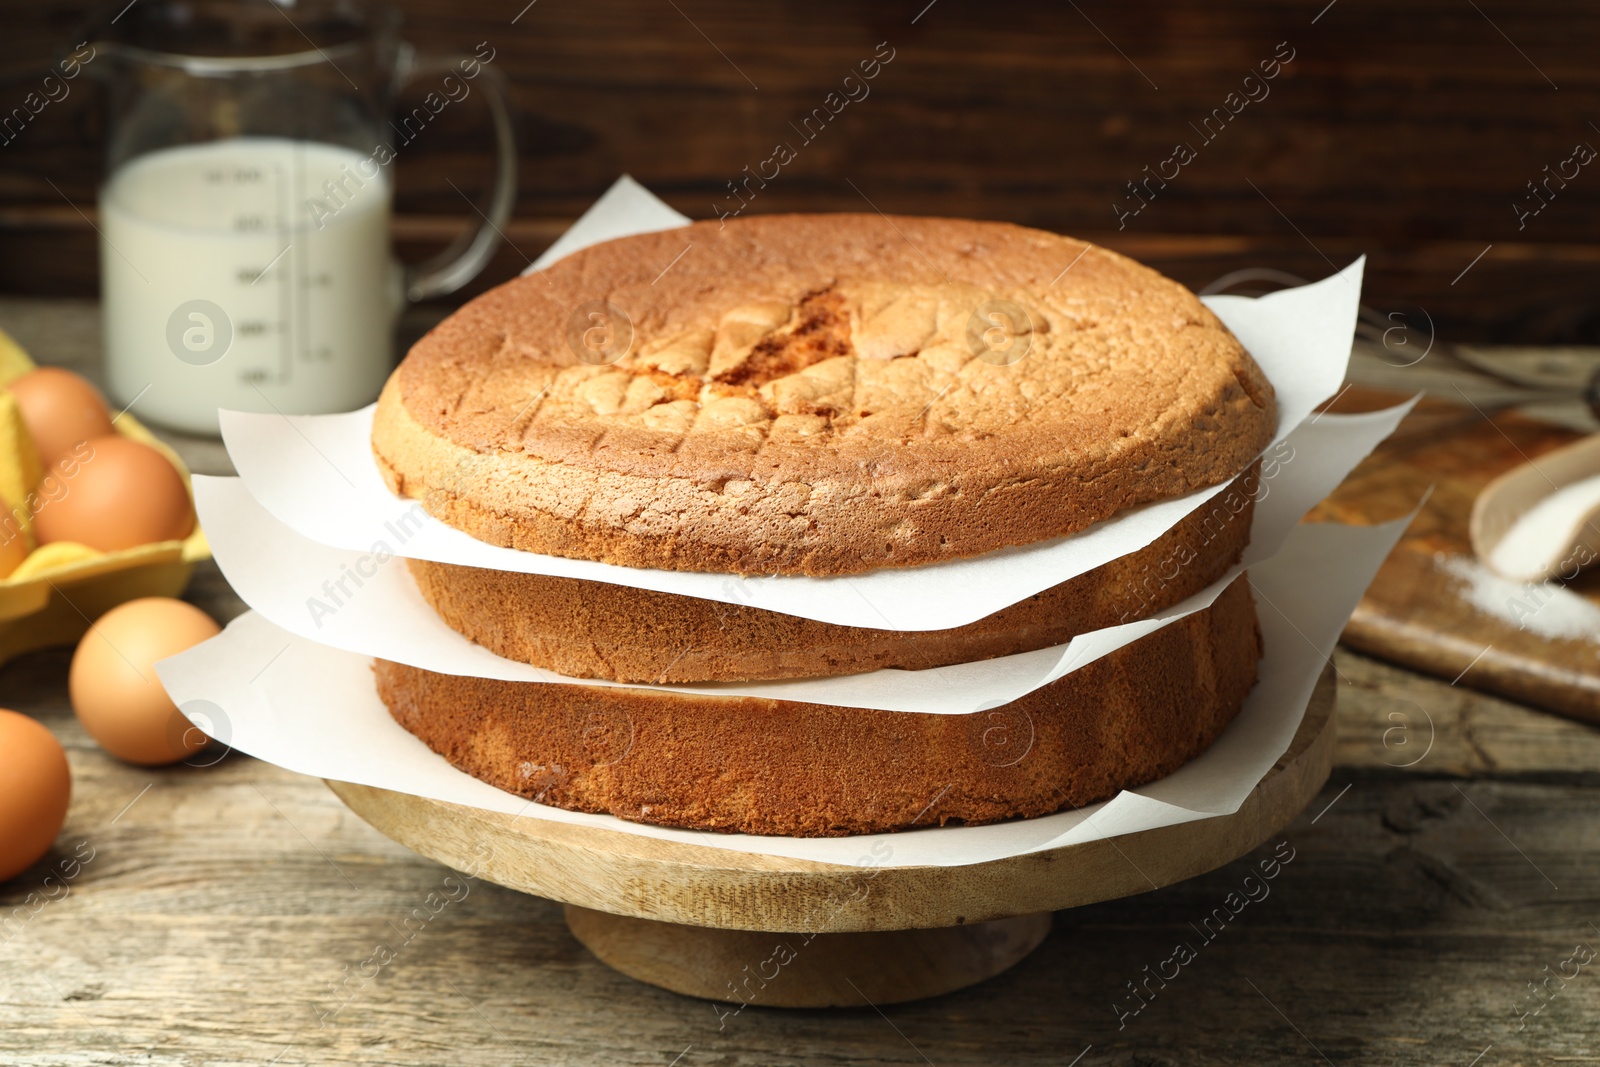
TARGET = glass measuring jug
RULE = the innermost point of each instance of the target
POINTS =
(245, 250)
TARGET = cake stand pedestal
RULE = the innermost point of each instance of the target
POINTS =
(748, 929)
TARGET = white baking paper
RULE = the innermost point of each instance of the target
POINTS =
(627, 209)
(314, 709)
(316, 475)
(366, 602)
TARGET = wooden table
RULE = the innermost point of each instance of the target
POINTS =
(229, 914)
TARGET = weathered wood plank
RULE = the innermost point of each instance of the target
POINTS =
(1391, 718)
(222, 913)
(1395, 128)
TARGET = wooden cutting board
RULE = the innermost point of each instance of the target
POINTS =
(1420, 611)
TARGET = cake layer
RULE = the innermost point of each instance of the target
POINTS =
(589, 629)
(744, 765)
(818, 395)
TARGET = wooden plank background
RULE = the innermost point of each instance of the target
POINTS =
(1404, 130)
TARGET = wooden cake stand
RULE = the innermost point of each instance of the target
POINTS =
(710, 922)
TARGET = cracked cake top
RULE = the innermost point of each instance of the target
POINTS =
(818, 394)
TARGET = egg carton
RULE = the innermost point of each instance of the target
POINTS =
(60, 588)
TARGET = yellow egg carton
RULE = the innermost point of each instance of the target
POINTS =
(60, 588)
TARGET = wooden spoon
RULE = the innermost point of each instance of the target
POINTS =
(1562, 535)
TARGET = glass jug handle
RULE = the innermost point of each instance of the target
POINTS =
(469, 253)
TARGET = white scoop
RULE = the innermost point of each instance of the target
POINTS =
(1541, 520)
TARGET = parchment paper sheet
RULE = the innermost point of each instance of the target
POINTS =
(313, 709)
(316, 475)
(366, 602)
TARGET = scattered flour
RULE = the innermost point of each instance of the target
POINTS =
(1539, 536)
(1552, 611)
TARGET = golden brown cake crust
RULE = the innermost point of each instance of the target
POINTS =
(594, 630)
(739, 764)
(818, 395)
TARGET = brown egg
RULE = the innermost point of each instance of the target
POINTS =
(112, 493)
(113, 684)
(35, 791)
(60, 409)
(13, 542)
